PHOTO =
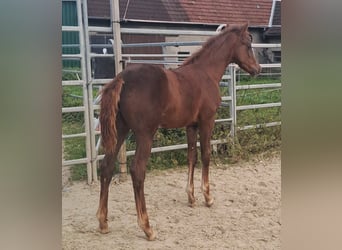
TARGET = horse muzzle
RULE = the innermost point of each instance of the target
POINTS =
(256, 70)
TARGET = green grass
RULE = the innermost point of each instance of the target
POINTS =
(72, 123)
(243, 146)
(74, 148)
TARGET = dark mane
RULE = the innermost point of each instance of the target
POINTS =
(211, 43)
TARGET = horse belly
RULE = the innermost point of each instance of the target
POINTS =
(176, 120)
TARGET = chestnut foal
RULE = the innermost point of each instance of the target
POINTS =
(143, 98)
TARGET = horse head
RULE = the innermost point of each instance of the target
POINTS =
(243, 54)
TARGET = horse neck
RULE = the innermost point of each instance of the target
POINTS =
(215, 59)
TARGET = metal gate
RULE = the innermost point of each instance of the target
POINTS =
(76, 66)
(87, 46)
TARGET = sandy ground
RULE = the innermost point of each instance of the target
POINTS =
(245, 215)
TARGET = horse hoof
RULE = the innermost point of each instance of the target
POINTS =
(152, 236)
(210, 202)
(191, 201)
(104, 230)
(191, 204)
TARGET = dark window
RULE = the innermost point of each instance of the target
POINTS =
(277, 56)
(182, 55)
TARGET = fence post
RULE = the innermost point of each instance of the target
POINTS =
(84, 88)
(90, 93)
(115, 19)
(232, 92)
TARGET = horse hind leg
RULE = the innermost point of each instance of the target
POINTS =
(191, 133)
(138, 170)
(107, 170)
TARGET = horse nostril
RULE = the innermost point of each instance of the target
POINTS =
(259, 69)
(256, 70)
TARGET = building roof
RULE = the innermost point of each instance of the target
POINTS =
(256, 12)
(275, 23)
(277, 14)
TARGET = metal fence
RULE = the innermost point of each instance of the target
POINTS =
(87, 52)
(81, 74)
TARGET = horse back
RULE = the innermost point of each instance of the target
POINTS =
(144, 96)
(156, 97)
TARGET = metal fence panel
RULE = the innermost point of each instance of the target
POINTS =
(77, 30)
(78, 53)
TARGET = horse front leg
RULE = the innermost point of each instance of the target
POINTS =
(138, 170)
(206, 129)
(191, 132)
(107, 169)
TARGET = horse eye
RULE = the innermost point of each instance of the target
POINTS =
(251, 37)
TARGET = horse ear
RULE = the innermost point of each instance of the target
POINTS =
(242, 29)
(245, 27)
(221, 27)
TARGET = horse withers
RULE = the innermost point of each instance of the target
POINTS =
(143, 98)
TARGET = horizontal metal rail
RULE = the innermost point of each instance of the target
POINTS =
(151, 55)
(226, 77)
(100, 81)
(263, 65)
(71, 45)
(100, 29)
(270, 124)
(107, 80)
(190, 43)
(155, 62)
(224, 120)
(92, 55)
(71, 56)
(164, 44)
(71, 28)
(161, 44)
(170, 148)
(258, 86)
(270, 65)
(155, 31)
(72, 83)
(226, 98)
(266, 45)
(167, 32)
(96, 107)
(73, 109)
(74, 135)
(73, 162)
(129, 60)
(176, 147)
(259, 106)
(212, 142)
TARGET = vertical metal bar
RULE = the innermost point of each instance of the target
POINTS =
(115, 19)
(90, 93)
(232, 91)
(85, 91)
(270, 22)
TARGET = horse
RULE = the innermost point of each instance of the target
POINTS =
(143, 98)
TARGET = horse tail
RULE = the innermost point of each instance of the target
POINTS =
(109, 110)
